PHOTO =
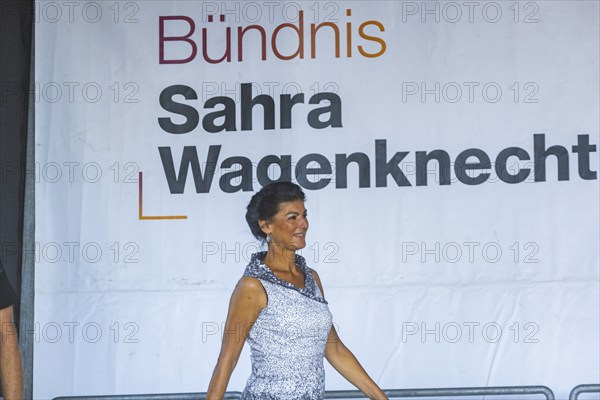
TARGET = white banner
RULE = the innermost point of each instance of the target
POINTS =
(448, 150)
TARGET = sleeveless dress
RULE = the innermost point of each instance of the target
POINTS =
(287, 341)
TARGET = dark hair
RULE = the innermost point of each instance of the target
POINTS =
(265, 204)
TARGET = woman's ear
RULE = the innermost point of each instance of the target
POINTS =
(264, 226)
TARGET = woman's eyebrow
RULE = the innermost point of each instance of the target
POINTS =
(296, 213)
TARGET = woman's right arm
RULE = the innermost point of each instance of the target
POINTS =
(247, 300)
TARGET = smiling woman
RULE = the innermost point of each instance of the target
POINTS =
(278, 307)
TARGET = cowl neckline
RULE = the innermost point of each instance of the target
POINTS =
(257, 269)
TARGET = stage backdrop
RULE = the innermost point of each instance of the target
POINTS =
(449, 152)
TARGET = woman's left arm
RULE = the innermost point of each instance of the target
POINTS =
(342, 359)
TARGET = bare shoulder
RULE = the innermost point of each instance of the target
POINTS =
(249, 283)
(249, 291)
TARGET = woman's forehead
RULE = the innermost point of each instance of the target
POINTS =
(292, 206)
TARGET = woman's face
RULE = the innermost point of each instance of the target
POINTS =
(288, 227)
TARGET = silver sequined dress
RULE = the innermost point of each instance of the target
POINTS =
(288, 339)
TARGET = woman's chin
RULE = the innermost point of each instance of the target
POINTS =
(297, 244)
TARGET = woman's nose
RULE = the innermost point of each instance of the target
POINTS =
(303, 222)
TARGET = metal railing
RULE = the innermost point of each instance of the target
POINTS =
(449, 392)
(165, 396)
(354, 394)
(577, 390)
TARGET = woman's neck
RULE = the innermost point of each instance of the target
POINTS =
(279, 258)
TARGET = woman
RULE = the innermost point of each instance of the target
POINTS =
(11, 373)
(279, 308)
